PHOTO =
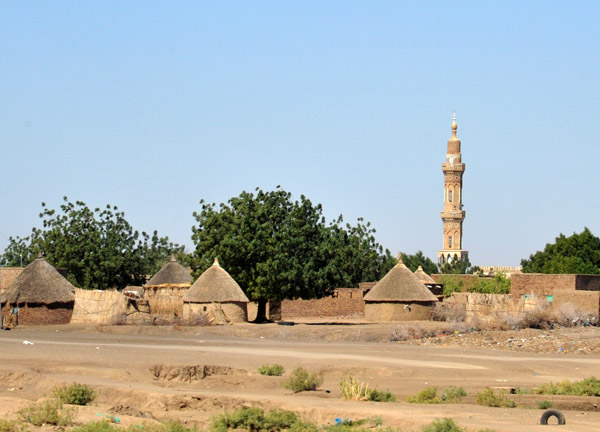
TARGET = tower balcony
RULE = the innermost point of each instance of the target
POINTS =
(459, 167)
(453, 214)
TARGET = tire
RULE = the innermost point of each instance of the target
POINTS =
(286, 323)
(553, 413)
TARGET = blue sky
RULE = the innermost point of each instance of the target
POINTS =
(152, 106)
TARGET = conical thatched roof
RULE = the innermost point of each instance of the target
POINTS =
(400, 285)
(423, 277)
(215, 285)
(39, 283)
(173, 274)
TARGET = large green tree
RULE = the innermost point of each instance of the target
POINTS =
(419, 259)
(277, 248)
(98, 248)
(578, 253)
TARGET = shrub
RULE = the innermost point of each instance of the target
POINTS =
(443, 425)
(453, 394)
(354, 390)
(50, 412)
(254, 419)
(451, 284)
(100, 426)
(490, 398)
(301, 380)
(522, 391)
(271, 370)
(12, 426)
(586, 387)
(545, 404)
(449, 312)
(426, 396)
(381, 396)
(75, 394)
(499, 284)
(168, 426)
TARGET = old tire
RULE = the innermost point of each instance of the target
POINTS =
(552, 413)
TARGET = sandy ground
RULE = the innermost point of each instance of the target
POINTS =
(122, 364)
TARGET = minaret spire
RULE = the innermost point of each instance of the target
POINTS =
(453, 214)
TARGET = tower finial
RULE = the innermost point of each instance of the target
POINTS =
(216, 262)
(400, 258)
(454, 125)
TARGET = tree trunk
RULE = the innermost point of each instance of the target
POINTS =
(261, 312)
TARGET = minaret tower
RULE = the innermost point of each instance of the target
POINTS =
(453, 214)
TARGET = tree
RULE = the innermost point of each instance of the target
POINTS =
(579, 253)
(98, 248)
(277, 248)
(414, 261)
(459, 267)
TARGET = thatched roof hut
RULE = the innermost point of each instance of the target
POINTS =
(40, 295)
(399, 296)
(215, 291)
(424, 277)
(171, 274)
(165, 290)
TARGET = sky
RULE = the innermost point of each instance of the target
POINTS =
(155, 105)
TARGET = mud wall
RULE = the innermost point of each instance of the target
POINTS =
(39, 314)
(398, 311)
(346, 306)
(233, 311)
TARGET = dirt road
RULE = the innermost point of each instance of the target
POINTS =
(118, 362)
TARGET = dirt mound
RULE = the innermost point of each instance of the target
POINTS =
(192, 373)
(130, 411)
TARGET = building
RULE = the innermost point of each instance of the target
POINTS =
(216, 296)
(38, 295)
(165, 290)
(453, 214)
(399, 296)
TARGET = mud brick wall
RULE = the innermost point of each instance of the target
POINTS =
(586, 302)
(539, 284)
(388, 311)
(324, 307)
(38, 314)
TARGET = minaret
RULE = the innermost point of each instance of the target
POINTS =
(453, 214)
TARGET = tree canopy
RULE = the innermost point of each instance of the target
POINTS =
(277, 248)
(459, 267)
(98, 248)
(419, 259)
(578, 253)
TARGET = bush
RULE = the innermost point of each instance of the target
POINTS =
(449, 312)
(499, 284)
(490, 398)
(168, 426)
(451, 284)
(254, 419)
(301, 380)
(453, 394)
(381, 396)
(100, 426)
(443, 425)
(587, 387)
(12, 426)
(545, 404)
(354, 390)
(75, 394)
(426, 396)
(50, 412)
(271, 370)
